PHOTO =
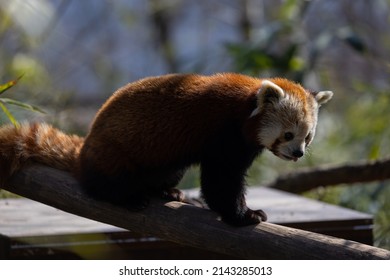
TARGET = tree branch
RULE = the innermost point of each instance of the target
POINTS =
(308, 179)
(186, 224)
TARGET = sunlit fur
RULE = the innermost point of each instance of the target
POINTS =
(149, 132)
(36, 142)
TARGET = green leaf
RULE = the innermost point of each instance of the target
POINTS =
(9, 115)
(22, 105)
(8, 85)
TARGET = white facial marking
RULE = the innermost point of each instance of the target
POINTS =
(288, 128)
(288, 123)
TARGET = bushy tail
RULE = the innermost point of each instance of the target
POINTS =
(37, 142)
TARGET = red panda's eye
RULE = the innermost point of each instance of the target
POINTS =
(288, 136)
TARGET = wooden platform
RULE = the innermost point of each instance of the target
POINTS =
(31, 230)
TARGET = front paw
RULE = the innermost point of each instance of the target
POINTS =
(250, 217)
(173, 194)
(259, 213)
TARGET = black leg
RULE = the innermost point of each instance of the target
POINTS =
(162, 182)
(223, 169)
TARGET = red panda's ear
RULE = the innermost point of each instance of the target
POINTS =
(269, 92)
(322, 96)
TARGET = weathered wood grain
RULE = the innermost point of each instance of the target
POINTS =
(186, 224)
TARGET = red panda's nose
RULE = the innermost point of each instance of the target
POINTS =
(297, 153)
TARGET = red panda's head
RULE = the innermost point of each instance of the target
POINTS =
(288, 117)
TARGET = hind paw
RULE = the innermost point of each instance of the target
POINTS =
(173, 194)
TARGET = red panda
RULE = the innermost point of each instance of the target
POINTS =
(149, 132)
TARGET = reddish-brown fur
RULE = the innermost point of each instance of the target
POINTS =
(165, 118)
(36, 142)
(192, 108)
(148, 132)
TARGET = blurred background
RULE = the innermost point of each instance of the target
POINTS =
(74, 54)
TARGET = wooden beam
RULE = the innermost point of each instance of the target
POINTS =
(186, 224)
(348, 173)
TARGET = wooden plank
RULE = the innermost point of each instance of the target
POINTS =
(41, 231)
(94, 246)
(282, 207)
(24, 217)
(171, 221)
